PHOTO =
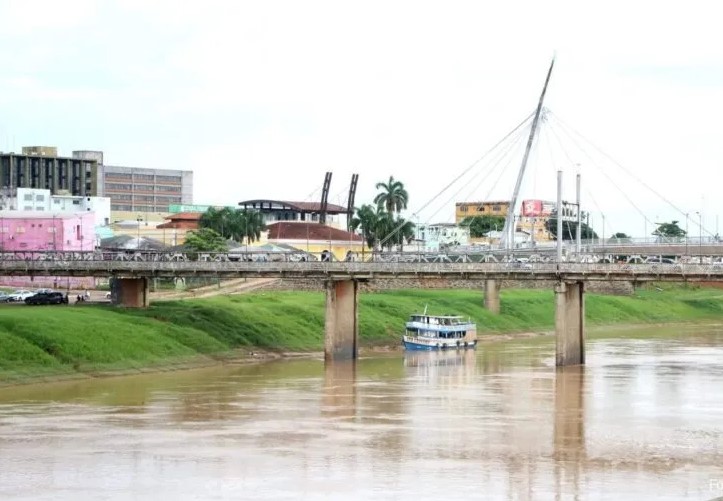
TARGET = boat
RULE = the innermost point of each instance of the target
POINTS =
(439, 332)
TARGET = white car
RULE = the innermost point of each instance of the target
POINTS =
(20, 295)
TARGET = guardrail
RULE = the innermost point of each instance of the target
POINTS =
(493, 256)
(154, 264)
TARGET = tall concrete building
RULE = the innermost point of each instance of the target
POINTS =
(41, 167)
(139, 189)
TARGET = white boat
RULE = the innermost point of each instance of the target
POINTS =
(439, 332)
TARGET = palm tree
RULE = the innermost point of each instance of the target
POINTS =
(393, 197)
(366, 220)
(251, 224)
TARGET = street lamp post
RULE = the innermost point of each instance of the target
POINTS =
(686, 234)
(138, 220)
(700, 237)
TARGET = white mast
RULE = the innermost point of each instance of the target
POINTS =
(507, 238)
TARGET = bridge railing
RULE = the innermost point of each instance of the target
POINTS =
(514, 258)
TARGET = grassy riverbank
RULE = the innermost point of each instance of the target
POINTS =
(68, 340)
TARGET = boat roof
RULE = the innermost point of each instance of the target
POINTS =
(436, 316)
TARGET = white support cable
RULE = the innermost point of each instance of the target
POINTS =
(471, 166)
(619, 165)
(515, 142)
(494, 163)
(602, 171)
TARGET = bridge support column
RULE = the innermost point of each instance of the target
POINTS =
(492, 296)
(341, 324)
(131, 292)
(569, 324)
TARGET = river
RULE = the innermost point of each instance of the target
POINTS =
(642, 420)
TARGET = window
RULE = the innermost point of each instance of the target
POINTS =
(143, 177)
(464, 208)
(40, 198)
(495, 208)
(20, 229)
(56, 201)
(28, 207)
(76, 202)
(28, 197)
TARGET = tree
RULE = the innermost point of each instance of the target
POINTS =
(479, 226)
(236, 224)
(205, 240)
(620, 237)
(377, 226)
(568, 229)
(366, 220)
(669, 230)
(251, 223)
(392, 197)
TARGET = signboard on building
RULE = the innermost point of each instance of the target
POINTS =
(176, 208)
(537, 208)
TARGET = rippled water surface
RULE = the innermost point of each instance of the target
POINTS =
(643, 420)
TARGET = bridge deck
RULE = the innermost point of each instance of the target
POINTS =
(364, 270)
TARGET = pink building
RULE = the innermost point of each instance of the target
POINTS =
(46, 231)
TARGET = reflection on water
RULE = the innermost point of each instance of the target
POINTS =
(642, 420)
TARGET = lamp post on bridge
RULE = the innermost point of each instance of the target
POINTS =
(700, 237)
(686, 234)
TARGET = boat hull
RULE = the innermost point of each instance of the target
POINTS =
(431, 345)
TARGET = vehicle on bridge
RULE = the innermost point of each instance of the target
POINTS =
(439, 332)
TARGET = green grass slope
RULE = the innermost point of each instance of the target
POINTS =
(43, 341)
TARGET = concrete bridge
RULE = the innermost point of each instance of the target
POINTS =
(133, 270)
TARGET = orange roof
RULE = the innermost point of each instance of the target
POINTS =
(185, 216)
(287, 230)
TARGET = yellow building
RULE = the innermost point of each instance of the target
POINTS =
(316, 238)
(463, 210)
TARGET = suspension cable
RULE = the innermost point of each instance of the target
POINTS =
(424, 206)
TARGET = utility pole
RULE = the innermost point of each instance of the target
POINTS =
(559, 216)
(579, 216)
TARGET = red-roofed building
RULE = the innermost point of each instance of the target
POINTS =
(315, 238)
(182, 221)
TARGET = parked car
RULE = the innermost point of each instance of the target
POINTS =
(47, 298)
(20, 295)
(4, 297)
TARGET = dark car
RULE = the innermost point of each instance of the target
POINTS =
(47, 298)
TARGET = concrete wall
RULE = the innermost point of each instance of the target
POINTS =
(613, 288)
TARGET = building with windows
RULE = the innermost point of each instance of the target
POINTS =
(40, 167)
(463, 210)
(37, 200)
(433, 237)
(137, 189)
(274, 211)
(45, 231)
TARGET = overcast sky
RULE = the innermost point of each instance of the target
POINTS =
(260, 99)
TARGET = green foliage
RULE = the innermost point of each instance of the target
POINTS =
(70, 340)
(393, 197)
(569, 228)
(235, 224)
(479, 226)
(669, 230)
(205, 240)
(381, 228)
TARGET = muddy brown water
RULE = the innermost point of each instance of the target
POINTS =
(642, 420)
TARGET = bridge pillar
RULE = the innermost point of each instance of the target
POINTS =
(569, 324)
(131, 292)
(341, 327)
(492, 296)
